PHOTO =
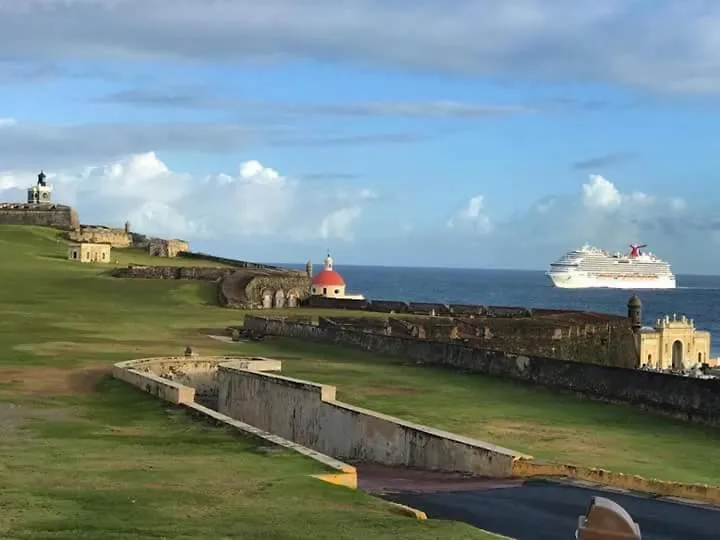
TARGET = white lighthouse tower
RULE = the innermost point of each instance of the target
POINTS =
(40, 193)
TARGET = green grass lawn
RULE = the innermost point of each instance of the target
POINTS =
(84, 456)
(545, 424)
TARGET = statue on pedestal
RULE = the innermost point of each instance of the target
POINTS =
(41, 179)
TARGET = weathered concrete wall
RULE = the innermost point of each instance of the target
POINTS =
(157, 386)
(200, 372)
(697, 400)
(41, 215)
(142, 374)
(308, 414)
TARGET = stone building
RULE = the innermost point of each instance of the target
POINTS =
(39, 210)
(88, 252)
(167, 248)
(99, 234)
(674, 344)
(328, 283)
(263, 288)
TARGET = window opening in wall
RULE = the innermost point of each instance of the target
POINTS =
(324, 290)
(699, 358)
(649, 358)
(337, 291)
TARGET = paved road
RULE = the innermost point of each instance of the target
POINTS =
(544, 510)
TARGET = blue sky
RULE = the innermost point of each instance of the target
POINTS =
(457, 133)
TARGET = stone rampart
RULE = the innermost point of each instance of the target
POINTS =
(688, 398)
(99, 234)
(224, 260)
(309, 414)
(577, 336)
(203, 273)
(57, 216)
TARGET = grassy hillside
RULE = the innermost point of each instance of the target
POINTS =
(86, 457)
(83, 456)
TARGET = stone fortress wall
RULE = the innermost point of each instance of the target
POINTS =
(596, 338)
(99, 234)
(687, 398)
(57, 216)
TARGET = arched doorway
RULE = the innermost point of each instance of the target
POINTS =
(677, 355)
(267, 299)
(280, 299)
(292, 299)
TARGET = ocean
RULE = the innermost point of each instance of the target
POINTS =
(697, 297)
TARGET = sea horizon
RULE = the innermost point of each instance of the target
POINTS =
(696, 296)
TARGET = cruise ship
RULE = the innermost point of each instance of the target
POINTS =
(592, 267)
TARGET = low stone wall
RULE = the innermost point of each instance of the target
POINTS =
(198, 373)
(223, 260)
(524, 468)
(201, 273)
(309, 414)
(692, 399)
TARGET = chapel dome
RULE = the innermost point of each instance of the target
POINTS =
(328, 278)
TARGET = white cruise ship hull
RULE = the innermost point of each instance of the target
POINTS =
(578, 280)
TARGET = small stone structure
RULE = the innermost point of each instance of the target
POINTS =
(167, 248)
(328, 283)
(97, 234)
(674, 344)
(89, 253)
(257, 288)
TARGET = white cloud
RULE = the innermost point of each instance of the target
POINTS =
(341, 223)
(599, 213)
(525, 38)
(600, 193)
(256, 202)
(472, 217)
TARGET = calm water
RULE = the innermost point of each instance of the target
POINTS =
(697, 297)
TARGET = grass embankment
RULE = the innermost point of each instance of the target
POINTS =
(82, 456)
(82, 461)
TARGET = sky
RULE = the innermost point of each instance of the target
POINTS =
(456, 133)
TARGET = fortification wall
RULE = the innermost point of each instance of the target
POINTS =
(564, 335)
(223, 260)
(40, 215)
(202, 273)
(166, 248)
(307, 413)
(98, 234)
(692, 399)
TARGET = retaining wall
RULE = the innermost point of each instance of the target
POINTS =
(696, 400)
(197, 372)
(309, 414)
(385, 436)
(143, 374)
